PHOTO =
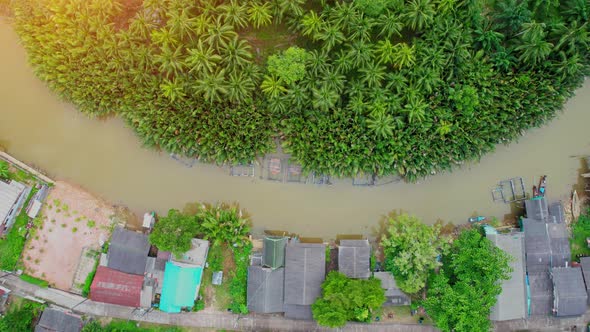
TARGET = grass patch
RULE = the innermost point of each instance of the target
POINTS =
(128, 326)
(12, 246)
(239, 280)
(34, 281)
(89, 279)
(580, 231)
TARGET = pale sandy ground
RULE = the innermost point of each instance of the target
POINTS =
(68, 214)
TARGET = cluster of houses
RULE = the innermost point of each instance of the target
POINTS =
(286, 277)
(543, 281)
(133, 273)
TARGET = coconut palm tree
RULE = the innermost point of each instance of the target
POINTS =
(240, 87)
(311, 24)
(181, 24)
(259, 14)
(219, 33)
(331, 36)
(404, 55)
(419, 14)
(236, 53)
(202, 59)
(324, 98)
(534, 49)
(171, 60)
(373, 74)
(173, 90)
(212, 86)
(380, 123)
(234, 14)
(391, 24)
(415, 107)
(273, 86)
(384, 50)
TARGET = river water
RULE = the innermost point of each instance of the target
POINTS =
(106, 158)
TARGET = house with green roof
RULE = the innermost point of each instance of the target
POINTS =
(274, 251)
(182, 278)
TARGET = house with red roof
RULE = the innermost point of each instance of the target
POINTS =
(115, 287)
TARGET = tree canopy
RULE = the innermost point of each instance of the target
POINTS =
(411, 249)
(345, 299)
(462, 293)
(221, 223)
(405, 88)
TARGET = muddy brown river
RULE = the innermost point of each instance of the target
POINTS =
(106, 158)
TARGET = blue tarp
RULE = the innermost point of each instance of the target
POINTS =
(180, 287)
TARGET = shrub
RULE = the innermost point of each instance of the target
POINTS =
(20, 318)
(239, 283)
(89, 279)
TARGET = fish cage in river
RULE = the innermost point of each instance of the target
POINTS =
(242, 170)
(509, 191)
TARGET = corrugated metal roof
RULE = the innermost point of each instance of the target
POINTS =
(181, 286)
(585, 263)
(197, 255)
(265, 289)
(537, 245)
(305, 270)
(568, 285)
(57, 320)
(560, 245)
(556, 212)
(274, 251)
(296, 311)
(537, 208)
(128, 251)
(393, 295)
(541, 291)
(511, 302)
(354, 258)
(115, 287)
(9, 194)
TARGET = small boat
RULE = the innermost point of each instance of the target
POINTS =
(476, 219)
(575, 205)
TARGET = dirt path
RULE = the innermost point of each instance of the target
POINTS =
(72, 220)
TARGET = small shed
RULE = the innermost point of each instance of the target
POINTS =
(274, 251)
(354, 258)
(265, 289)
(149, 219)
(53, 320)
(536, 208)
(217, 278)
(570, 298)
(116, 287)
(128, 251)
(394, 296)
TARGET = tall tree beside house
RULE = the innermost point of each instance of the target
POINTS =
(174, 232)
(411, 249)
(345, 299)
(461, 294)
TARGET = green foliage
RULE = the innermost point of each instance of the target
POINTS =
(289, 65)
(174, 232)
(580, 231)
(21, 317)
(199, 305)
(345, 299)
(11, 247)
(89, 279)
(35, 281)
(452, 79)
(411, 249)
(238, 288)
(126, 326)
(215, 258)
(461, 295)
(4, 171)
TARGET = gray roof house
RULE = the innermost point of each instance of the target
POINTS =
(354, 258)
(556, 213)
(305, 270)
(537, 209)
(560, 245)
(541, 294)
(511, 303)
(273, 255)
(128, 251)
(585, 263)
(12, 197)
(568, 286)
(537, 245)
(53, 320)
(265, 289)
(393, 295)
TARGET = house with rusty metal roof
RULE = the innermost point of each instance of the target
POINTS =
(128, 251)
(354, 258)
(54, 320)
(116, 287)
(569, 292)
(305, 270)
(511, 302)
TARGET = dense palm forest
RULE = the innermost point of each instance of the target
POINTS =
(407, 87)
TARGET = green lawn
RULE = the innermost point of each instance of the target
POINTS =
(12, 246)
(580, 231)
(34, 281)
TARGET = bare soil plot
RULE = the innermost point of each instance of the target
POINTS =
(73, 219)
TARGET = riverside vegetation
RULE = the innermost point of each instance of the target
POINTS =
(385, 87)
